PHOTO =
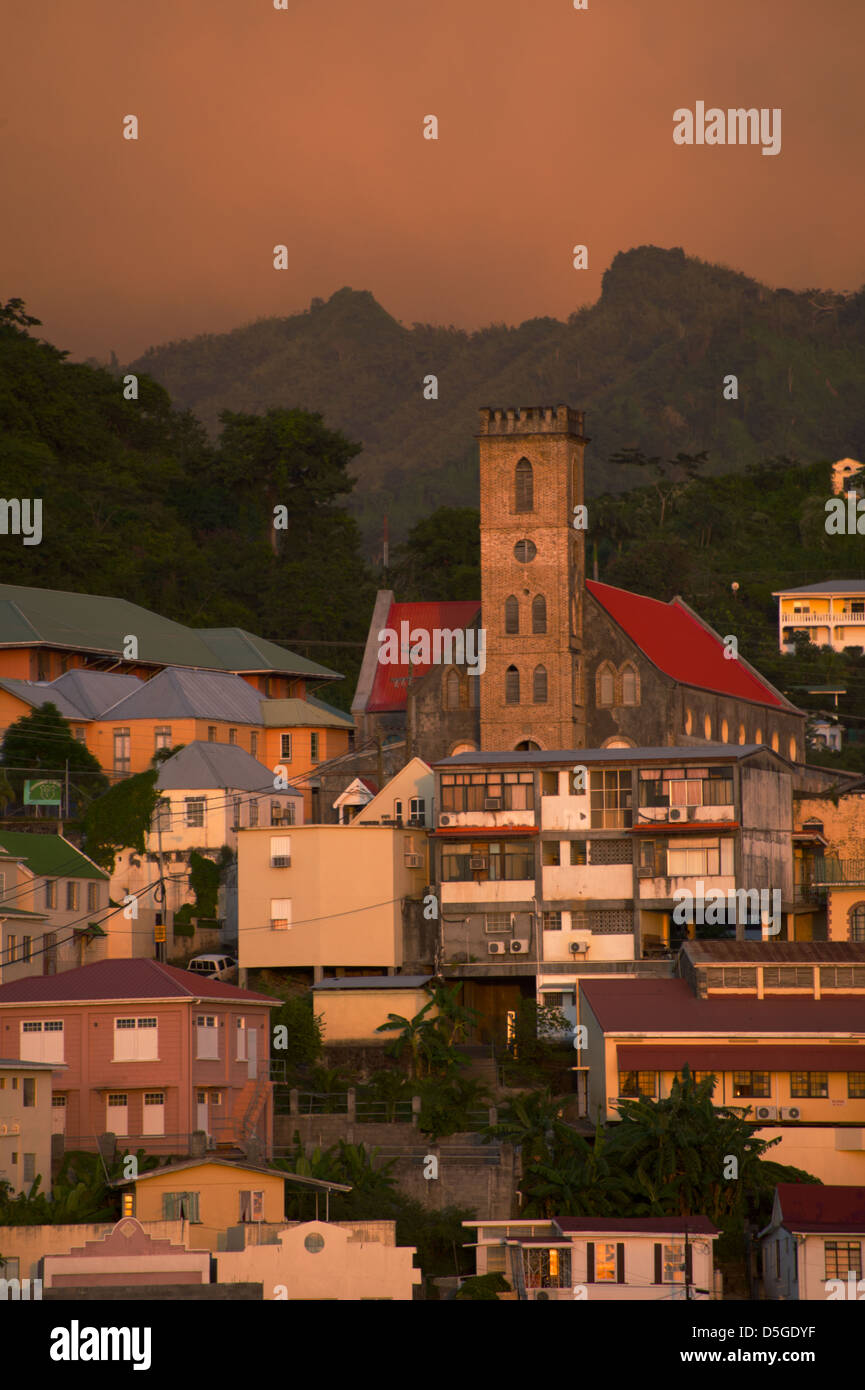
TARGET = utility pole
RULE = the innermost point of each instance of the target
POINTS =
(160, 945)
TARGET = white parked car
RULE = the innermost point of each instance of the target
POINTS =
(215, 967)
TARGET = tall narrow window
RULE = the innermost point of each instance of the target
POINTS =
(524, 487)
(630, 687)
(452, 690)
(539, 613)
(606, 687)
(512, 686)
(539, 685)
(121, 750)
(512, 615)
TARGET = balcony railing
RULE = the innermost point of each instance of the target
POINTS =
(843, 616)
(829, 871)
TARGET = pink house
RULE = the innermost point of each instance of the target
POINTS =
(149, 1053)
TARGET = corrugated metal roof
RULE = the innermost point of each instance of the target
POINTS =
(198, 765)
(177, 693)
(665, 1007)
(774, 952)
(294, 713)
(135, 978)
(50, 856)
(705, 753)
(95, 691)
(39, 693)
(390, 685)
(640, 1225)
(826, 586)
(813, 1207)
(375, 982)
(238, 650)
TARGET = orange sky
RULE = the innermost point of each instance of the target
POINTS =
(304, 126)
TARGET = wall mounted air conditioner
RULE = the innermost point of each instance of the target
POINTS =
(675, 813)
(281, 861)
(414, 861)
(444, 820)
(766, 1112)
(519, 947)
(492, 803)
(578, 948)
(790, 1112)
(477, 861)
(496, 948)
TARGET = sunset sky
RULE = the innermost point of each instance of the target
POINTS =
(304, 126)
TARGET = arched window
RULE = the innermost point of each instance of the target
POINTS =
(524, 488)
(725, 731)
(617, 742)
(689, 720)
(707, 726)
(776, 742)
(539, 685)
(741, 733)
(578, 681)
(792, 750)
(512, 614)
(527, 745)
(463, 748)
(605, 685)
(452, 690)
(758, 737)
(474, 692)
(857, 922)
(512, 686)
(630, 685)
(525, 551)
(539, 613)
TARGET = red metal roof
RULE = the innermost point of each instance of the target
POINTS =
(123, 979)
(666, 1007)
(812, 1207)
(640, 1225)
(390, 687)
(679, 645)
(756, 1056)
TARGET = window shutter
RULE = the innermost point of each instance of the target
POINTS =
(590, 1262)
(620, 1263)
(659, 1266)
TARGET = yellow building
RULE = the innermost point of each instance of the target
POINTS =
(830, 613)
(211, 1195)
(25, 1123)
(353, 1007)
(326, 896)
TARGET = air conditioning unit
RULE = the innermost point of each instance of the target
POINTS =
(496, 948)
(492, 803)
(790, 1112)
(578, 948)
(766, 1112)
(444, 820)
(478, 861)
(675, 814)
(281, 861)
(414, 861)
(519, 947)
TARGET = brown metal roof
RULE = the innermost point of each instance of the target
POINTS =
(812, 1207)
(663, 1007)
(136, 978)
(775, 952)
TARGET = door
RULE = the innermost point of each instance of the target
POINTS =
(201, 1110)
(58, 1114)
(251, 1053)
(154, 1112)
(117, 1118)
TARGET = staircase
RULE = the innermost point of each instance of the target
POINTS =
(482, 1065)
(240, 1131)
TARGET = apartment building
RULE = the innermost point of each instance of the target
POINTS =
(553, 865)
(327, 897)
(27, 1112)
(148, 1053)
(780, 1024)
(53, 901)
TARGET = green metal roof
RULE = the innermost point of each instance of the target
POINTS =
(99, 624)
(49, 856)
(300, 713)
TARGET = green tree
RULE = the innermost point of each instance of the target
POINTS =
(42, 742)
(121, 818)
(441, 557)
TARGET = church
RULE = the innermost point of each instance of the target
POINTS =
(570, 662)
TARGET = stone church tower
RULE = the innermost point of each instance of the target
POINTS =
(532, 570)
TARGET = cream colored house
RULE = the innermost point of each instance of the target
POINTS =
(406, 799)
(325, 896)
(831, 612)
(25, 1124)
(326, 1260)
(812, 1247)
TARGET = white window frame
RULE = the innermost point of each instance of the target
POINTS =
(280, 914)
(206, 1037)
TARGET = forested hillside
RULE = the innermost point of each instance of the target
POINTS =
(647, 363)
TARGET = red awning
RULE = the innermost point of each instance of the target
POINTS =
(484, 832)
(662, 827)
(756, 1056)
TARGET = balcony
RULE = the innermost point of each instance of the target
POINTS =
(843, 616)
(838, 871)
